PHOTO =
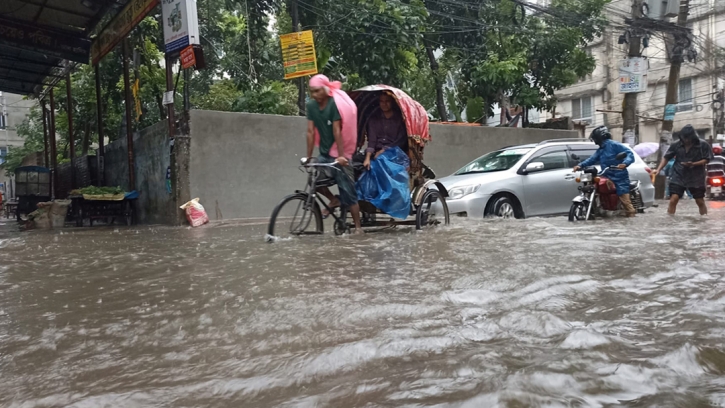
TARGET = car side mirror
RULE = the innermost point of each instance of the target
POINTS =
(621, 156)
(534, 166)
(575, 157)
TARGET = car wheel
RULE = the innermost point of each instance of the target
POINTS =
(503, 207)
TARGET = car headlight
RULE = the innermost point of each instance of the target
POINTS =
(460, 192)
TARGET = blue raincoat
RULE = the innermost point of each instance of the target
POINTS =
(606, 156)
(385, 185)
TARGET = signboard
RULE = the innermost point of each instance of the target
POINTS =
(49, 42)
(670, 112)
(137, 105)
(187, 57)
(629, 137)
(632, 83)
(633, 75)
(298, 54)
(119, 27)
(168, 98)
(181, 25)
(665, 141)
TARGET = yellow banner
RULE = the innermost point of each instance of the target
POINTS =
(135, 88)
(298, 54)
(119, 27)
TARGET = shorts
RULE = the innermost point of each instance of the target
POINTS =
(696, 192)
(344, 179)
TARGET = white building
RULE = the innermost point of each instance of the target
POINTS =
(596, 100)
(13, 111)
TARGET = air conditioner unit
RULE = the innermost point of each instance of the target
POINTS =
(654, 9)
(672, 8)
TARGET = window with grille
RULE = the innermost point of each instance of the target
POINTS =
(581, 109)
(684, 95)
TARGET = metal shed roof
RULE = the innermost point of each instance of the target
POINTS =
(39, 37)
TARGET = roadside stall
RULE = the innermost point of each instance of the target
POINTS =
(104, 203)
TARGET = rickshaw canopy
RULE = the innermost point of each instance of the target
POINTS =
(414, 115)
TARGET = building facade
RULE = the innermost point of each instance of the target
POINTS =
(596, 100)
(13, 111)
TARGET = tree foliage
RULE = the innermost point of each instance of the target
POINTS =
(482, 52)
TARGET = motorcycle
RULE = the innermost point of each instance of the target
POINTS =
(599, 194)
(716, 178)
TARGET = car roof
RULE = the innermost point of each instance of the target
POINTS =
(577, 142)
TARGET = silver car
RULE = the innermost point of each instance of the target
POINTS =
(528, 180)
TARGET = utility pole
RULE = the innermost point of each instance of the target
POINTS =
(629, 111)
(4, 127)
(295, 14)
(672, 90)
(718, 105)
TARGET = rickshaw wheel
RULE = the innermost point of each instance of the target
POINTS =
(425, 214)
(295, 215)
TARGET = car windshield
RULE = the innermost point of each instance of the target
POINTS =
(495, 161)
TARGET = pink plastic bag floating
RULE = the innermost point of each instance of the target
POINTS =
(195, 213)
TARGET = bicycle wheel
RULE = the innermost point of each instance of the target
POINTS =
(433, 210)
(297, 214)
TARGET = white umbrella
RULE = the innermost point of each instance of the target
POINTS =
(646, 149)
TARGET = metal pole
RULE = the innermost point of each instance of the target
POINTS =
(300, 81)
(670, 99)
(53, 153)
(170, 88)
(673, 82)
(629, 114)
(187, 103)
(71, 136)
(46, 160)
(99, 119)
(129, 127)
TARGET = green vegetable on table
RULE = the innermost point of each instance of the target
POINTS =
(93, 190)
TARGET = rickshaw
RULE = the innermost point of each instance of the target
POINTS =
(300, 213)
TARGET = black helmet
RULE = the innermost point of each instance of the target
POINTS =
(599, 135)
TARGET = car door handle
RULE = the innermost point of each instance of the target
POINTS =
(570, 177)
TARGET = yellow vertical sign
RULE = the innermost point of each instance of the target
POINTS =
(298, 54)
(135, 89)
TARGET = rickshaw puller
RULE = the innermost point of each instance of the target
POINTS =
(323, 115)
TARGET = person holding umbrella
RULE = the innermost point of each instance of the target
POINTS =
(689, 173)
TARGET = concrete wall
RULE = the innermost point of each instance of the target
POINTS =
(241, 165)
(155, 204)
(452, 146)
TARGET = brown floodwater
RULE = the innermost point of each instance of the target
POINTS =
(521, 313)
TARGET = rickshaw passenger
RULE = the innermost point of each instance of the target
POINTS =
(385, 130)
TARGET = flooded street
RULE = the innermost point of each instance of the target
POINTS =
(536, 312)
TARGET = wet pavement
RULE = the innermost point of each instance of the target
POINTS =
(519, 313)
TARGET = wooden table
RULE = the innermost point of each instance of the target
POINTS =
(101, 209)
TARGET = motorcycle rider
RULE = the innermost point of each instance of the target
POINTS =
(606, 156)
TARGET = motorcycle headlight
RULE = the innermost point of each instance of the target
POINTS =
(460, 192)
